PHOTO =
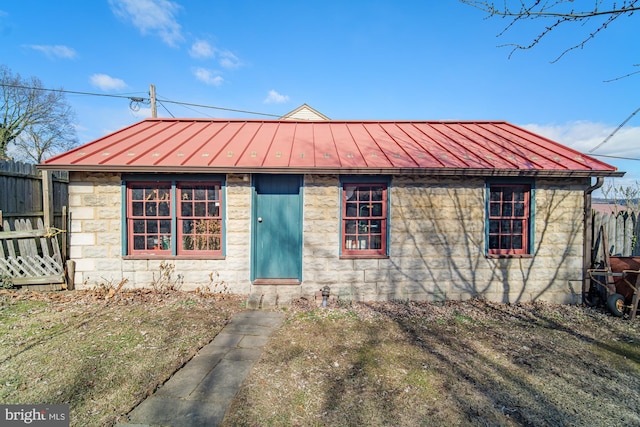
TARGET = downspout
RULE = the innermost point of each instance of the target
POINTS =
(588, 236)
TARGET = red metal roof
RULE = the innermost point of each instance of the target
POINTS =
(208, 145)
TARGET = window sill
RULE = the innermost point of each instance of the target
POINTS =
(364, 256)
(491, 256)
(169, 256)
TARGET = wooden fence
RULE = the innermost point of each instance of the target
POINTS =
(33, 212)
(26, 192)
(622, 230)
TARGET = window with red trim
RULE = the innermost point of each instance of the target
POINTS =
(199, 218)
(509, 218)
(149, 221)
(191, 225)
(364, 219)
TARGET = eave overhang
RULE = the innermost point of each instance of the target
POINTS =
(467, 172)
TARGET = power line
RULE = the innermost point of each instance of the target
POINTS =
(614, 131)
(614, 157)
(144, 100)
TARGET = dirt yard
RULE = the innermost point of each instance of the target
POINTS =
(459, 363)
(378, 364)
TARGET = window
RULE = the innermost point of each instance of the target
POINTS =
(509, 219)
(364, 219)
(174, 218)
(199, 220)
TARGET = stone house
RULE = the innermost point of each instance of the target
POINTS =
(277, 209)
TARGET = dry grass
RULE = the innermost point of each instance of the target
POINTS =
(101, 352)
(459, 363)
(377, 364)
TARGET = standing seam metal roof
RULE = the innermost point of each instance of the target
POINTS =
(477, 147)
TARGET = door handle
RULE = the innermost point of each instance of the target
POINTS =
(259, 219)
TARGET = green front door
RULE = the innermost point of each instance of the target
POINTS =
(277, 227)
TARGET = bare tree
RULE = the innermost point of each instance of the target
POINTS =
(595, 18)
(34, 123)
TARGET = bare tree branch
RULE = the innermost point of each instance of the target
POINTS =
(33, 123)
(560, 13)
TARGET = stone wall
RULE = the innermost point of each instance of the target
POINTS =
(436, 244)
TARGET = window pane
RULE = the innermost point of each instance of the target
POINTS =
(494, 209)
(507, 195)
(212, 193)
(518, 209)
(493, 242)
(518, 196)
(517, 242)
(352, 209)
(186, 194)
(152, 226)
(137, 209)
(165, 226)
(187, 226)
(376, 242)
(494, 226)
(375, 226)
(214, 243)
(495, 195)
(186, 209)
(505, 226)
(213, 209)
(505, 242)
(137, 194)
(151, 209)
(200, 209)
(363, 227)
(377, 209)
(517, 227)
(363, 193)
(376, 194)
(163, 209)
(138, 242)
(350, 227)
(365, 210)
(163, 194)
(138, 226)
(507, 209)
(200, 194)
(152, 242)
(187, 243)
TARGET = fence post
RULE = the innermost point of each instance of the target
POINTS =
(47, 197)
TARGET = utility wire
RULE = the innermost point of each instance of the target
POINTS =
(614, 157)
(142, 99)
(614, 131)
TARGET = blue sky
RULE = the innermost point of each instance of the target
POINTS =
(370, 60)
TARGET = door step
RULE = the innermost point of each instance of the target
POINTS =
(267, 296)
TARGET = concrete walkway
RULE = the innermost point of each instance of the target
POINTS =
(200, 392)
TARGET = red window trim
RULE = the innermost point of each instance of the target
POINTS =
(180, 218)
(363, 237)
(175, 233)
(525, 220)
(131, 218)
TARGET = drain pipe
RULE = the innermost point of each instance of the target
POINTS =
(588, 236)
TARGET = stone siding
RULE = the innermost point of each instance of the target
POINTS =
(436, 243)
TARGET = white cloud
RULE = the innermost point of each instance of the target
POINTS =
(208, 76)
(106, 82)
(275, 98)
(54, 51)
(229, 60)
(151, 17)
(584, 136)
(201, 49)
